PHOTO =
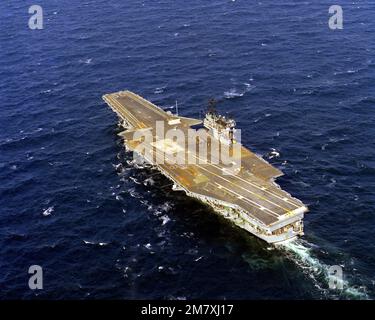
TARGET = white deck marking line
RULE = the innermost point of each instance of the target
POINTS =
(257, 186)
(253, 202)
(126, 111)
(118, 110)
(259, 196)
(254, 185)
(122, 109)
(249, 213)
(145, 103)
(245, 190)
(141, 104)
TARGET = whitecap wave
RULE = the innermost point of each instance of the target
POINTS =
(233, 93)
(166, 206)
(273, 154)
(48, 211)
(88, 242)
(134, 180)
(85, 61)
(238, 92)
(165, 219)
(149, 182)
(134, 194)
(96, 243)
(159, 90)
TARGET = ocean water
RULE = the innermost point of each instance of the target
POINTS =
(72, 202)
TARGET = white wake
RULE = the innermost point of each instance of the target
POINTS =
(301, 252)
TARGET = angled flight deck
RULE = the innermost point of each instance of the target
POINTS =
(249, 196)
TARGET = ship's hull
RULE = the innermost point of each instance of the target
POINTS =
(291, 234)
(241, 220)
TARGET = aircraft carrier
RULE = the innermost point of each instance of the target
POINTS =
(247, 194)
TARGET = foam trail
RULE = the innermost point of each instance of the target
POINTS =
(300, 251)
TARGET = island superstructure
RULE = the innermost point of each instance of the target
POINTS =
(248, 196)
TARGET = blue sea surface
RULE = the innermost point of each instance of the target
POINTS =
(72, 202)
